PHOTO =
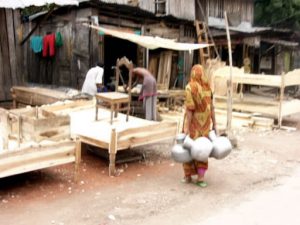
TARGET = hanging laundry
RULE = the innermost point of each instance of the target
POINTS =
(58, 40)
(36, 44)
(49, 45)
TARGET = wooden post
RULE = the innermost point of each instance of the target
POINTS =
(112, 152)
(77, 158)
(229, 82)
(281, 100)
(4, 127)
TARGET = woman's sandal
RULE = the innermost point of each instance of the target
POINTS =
(201, 184)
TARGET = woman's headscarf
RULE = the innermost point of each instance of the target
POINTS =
(197, 77)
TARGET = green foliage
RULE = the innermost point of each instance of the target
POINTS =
(277, 13)
(34, 9)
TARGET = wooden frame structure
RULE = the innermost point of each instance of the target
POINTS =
(22, 149)
(22, 160)
(36, 96)
(278, 108)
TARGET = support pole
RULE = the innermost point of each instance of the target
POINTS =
(229, 81)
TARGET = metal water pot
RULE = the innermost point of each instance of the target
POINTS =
(221, 146)
(201, 149)
(188, 142)
(180, 154)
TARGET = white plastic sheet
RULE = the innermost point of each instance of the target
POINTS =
(14, 4)
(149, 41)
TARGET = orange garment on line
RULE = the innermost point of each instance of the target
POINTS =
(198, 100)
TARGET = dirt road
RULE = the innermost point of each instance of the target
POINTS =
(262, 169)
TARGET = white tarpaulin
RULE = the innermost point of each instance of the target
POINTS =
(13, 4)
(149, 41)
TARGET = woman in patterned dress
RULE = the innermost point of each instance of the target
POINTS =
(199, 119)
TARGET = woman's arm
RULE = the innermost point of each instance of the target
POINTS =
(188, 122)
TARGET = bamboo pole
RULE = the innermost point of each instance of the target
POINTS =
(229, 81)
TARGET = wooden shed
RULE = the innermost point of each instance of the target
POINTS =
(82, 47)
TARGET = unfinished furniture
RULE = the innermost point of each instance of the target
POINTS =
(119, 136)
(35, 157)
(32, 142)
(116, 99)
(36, 96)
(277, 108)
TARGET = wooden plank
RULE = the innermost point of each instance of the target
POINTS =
(254, 79)
(292, 78)
(36, 166)
(6, 72)
(18, 29)
(113, 145)
(4, 128)
(148, 138)
(34, 158)
(11, 45)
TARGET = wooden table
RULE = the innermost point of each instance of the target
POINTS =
(114, 99)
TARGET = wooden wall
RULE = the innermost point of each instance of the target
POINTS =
(79, 52)
(216, 8)
(11, 60)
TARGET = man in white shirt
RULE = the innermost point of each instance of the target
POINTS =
(93, 80)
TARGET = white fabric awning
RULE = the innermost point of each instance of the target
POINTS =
(13, 4)
(150, 42)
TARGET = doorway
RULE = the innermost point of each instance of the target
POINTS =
(115, 48)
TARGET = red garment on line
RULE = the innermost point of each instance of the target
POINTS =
(49, 45)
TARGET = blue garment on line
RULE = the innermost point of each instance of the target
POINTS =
(36, 44)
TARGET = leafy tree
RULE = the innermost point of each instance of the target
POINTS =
(277, 13)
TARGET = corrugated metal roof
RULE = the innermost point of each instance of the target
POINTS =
(25, 3)
(244, 27)
(280, 42)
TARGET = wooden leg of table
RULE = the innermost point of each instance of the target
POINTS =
(112, 153)
(127, 114)
(111, 113)
(96, 115)
(77, 159)
(117, 110)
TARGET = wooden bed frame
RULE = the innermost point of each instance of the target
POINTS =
(23, 149)
(118, 136)
(275, 108)
(31, 158)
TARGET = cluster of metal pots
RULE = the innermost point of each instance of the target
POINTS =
(186, 149)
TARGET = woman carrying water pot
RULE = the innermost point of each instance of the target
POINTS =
(199, 119)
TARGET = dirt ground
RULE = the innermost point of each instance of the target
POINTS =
(150, 192)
